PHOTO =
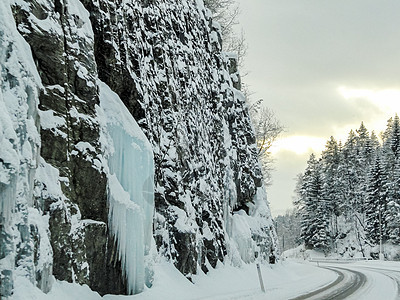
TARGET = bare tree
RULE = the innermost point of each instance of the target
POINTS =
(226, 13)
(266, 126)
(267, 129)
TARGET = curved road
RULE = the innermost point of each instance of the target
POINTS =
(358, 281)
(394, 275)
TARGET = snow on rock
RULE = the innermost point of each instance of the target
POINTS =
(69, 186)
(163, 58)
(94, 199)
(253, 234)
(19, 151)
(130, 187)
(19, 136)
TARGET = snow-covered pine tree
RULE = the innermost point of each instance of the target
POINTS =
(321, 239)
(366, 149)
(395, 137)
(330, 162)
(392, 214)
(349, 178)
(376, 204)
(313, 208)
(306, 203)
(391, 157)
(356, 188)
(365, 157)
(391, 143)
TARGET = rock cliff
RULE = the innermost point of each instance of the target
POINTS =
(62, 62)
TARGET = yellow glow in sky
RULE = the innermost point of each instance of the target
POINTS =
(387, 102)
(299, 144)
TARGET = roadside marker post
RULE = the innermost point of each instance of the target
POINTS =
(260, 278)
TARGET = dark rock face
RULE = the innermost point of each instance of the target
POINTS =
(164, 60)
(62, 48)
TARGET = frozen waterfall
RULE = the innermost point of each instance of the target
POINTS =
(130, 187)
(19, 151)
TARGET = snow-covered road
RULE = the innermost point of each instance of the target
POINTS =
(383, 280)
(347, 282)
(362, 280)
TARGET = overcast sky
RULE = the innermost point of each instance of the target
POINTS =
(322, 67)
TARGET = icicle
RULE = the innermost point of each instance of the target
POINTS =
(130, 188)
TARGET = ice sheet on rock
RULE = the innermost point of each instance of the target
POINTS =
(8, 164)
(19, 151)
(241, 234)
(130, 188)
(251, 234)
(19, 137)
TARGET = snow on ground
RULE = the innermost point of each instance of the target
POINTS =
(282, 281)
(287, 279)
(381, 278)
(378, 286)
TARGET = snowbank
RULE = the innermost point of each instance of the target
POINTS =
(282, 281)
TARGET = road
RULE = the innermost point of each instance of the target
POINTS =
(358, 281)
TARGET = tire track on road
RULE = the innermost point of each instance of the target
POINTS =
(342, 291)
(388, 273)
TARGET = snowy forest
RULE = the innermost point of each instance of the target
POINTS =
(348, 200)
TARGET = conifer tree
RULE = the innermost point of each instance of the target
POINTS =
(330, 162)
(376, 204)
(392, 214)
(391, 143)
(313, 207)
(358, 184)
(349, 176)
(364, 160)
(391, 156)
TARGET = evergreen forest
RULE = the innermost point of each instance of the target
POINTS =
(348, 199)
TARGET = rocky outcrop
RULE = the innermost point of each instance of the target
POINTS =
(61, 41)
(163, 59)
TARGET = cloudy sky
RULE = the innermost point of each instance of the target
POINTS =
(322, 67)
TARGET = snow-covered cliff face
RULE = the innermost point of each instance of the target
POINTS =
(164, 60)
(84, 200)
(19, 158)
(71, 186)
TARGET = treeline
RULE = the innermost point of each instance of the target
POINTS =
(288, 230)
(352, 191)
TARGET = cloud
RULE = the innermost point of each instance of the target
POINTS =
(300, 52)
(385, 101)
(295, 42)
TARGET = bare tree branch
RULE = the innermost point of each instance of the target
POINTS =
(267, 129)
(226, 13)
